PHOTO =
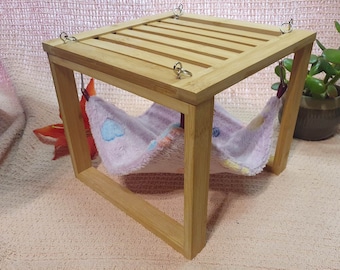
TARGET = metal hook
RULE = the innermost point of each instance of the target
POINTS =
(65, 37)
(287, 27)
(179, 70)
(178, 11)
(83, 90)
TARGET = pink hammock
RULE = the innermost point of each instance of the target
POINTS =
(154, 141)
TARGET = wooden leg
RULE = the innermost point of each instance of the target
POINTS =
(153, 219)
(198, 130)
(72, 118)
(188, 239)
(291, 109)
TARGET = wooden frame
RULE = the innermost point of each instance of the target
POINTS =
(103, 55)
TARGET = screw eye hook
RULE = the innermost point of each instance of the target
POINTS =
(178, 11)
(179, 70)
(65, 37)
(287, 27)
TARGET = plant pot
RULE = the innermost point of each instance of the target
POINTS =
(317, 119)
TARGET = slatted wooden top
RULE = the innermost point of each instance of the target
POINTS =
(218, 52)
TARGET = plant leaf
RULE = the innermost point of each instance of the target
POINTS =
(332, 55)
(315, 86)
(322, 47)
(313, 59)
(332, 91)
(337, 26)
(278, 71)
(288, 64)
(275, 86)
(327, 67)
(316, 68)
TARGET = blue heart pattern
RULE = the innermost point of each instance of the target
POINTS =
(111, 130)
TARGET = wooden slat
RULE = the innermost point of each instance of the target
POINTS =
(166, 50)
(233, 24)
(208, 33)
(107, 29)
(143, 55)
(159, 97)
(220, 29)
(248, 63)
(197, 38)
(211, 81)
(156, 77)
(150, 217)
(190, 46)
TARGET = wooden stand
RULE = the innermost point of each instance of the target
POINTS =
(139, 57)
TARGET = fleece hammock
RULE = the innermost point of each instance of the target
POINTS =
(154, 143)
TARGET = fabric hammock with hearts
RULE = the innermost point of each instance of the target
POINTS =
(154, 143)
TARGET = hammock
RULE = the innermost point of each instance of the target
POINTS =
(154, 143)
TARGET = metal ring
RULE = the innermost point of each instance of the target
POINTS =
(65, 37)
(177, 67)
(179, 70)
(178, 11)
(186, 72)
(287, 27)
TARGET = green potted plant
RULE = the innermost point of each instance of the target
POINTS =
(319, 113)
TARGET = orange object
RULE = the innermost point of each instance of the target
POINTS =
(56, 131)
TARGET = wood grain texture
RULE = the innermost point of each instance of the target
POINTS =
(291, 109)
(198, 130)
(150, 217)
(139, 56)
(72, 118)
